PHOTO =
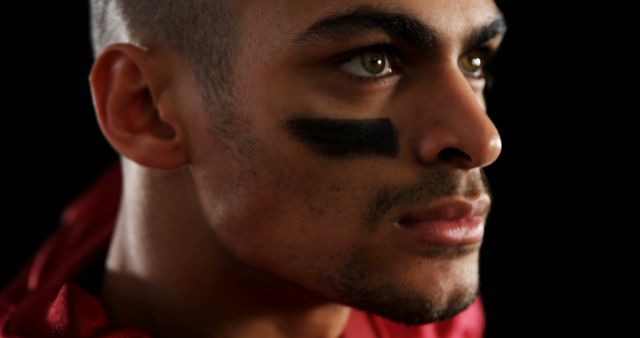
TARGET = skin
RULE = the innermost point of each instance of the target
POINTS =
(231, 226)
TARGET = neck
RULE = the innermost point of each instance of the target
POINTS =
(168, 274)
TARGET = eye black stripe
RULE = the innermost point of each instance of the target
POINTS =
(344, 137)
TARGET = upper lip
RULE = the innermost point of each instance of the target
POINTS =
(448, 209)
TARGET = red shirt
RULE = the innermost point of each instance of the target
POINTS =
(57, 294)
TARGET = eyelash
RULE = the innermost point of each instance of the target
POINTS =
(490, 55)
(487, 53)
(390, 51)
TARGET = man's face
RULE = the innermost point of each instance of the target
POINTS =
(350, 161)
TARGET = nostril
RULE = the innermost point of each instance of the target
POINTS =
(453, 155)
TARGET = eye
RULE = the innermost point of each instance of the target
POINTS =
(369, 64)
(473, 64)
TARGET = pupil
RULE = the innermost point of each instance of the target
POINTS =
(374, 63)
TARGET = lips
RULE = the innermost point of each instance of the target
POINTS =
(448, 222)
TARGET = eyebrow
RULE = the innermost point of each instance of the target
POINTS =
(367, 19)
(480, 35)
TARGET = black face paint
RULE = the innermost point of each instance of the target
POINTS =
(344, 137)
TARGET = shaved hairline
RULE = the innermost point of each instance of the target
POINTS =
(200, 31)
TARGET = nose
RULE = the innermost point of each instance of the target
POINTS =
(454, 128)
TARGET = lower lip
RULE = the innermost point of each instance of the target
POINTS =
(466, 231)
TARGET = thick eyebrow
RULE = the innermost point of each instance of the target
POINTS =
(480, 35)
(367, 19)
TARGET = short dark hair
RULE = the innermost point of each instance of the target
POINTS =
(199, 30)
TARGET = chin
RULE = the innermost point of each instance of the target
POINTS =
(410, 307)
(410, 292)
(414, 309)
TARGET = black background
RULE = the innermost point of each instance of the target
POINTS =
(543, 252)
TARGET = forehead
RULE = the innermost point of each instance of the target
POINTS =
(280, 21)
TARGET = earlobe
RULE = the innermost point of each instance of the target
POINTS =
(126, 88)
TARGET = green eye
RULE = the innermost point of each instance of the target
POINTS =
(374, 62)
(369, 64)
(473, 64)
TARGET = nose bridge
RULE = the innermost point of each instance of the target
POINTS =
(456, 130)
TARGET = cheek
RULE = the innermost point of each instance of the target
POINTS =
(298, 220)
(279, 212)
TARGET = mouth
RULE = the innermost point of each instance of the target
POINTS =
(448, 222)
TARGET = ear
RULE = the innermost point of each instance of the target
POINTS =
(127, 86)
